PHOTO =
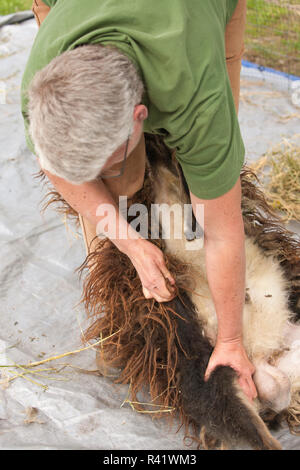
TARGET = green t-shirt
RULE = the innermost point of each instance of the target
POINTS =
(178, 48)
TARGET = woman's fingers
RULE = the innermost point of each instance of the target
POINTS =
(147, 293)
(160, 293)
(157, 281)
(151, 295)
(247, 388)
(158, 288)
(233, 354)
(166, 273)
(252, 388)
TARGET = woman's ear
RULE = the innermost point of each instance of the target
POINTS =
(140, 112)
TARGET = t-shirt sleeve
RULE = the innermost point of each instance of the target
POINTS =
(210, 148)
(50, 3)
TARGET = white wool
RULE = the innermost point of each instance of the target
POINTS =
(266, 313)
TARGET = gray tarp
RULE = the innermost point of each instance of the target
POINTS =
(39, 289)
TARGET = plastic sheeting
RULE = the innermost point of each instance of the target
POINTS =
(40, 290)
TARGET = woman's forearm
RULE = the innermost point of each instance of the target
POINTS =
(225, 261)
(224, 242)
(225, 267)
(95, 203)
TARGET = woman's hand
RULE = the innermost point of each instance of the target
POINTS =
(233, 354)
(149, 262)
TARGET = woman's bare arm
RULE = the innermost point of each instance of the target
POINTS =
(148, 260)
(225, 266)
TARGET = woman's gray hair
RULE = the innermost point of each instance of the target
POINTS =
(81, 110)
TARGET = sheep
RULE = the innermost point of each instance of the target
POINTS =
(271, 339)
(166, 346)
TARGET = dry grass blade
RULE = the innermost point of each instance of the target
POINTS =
(53, 358)
(141, 405)
(29, 369)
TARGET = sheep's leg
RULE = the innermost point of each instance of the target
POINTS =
(273, 386)
(218, 404)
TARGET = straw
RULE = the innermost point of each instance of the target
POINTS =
(279, 173)
(29, 368)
